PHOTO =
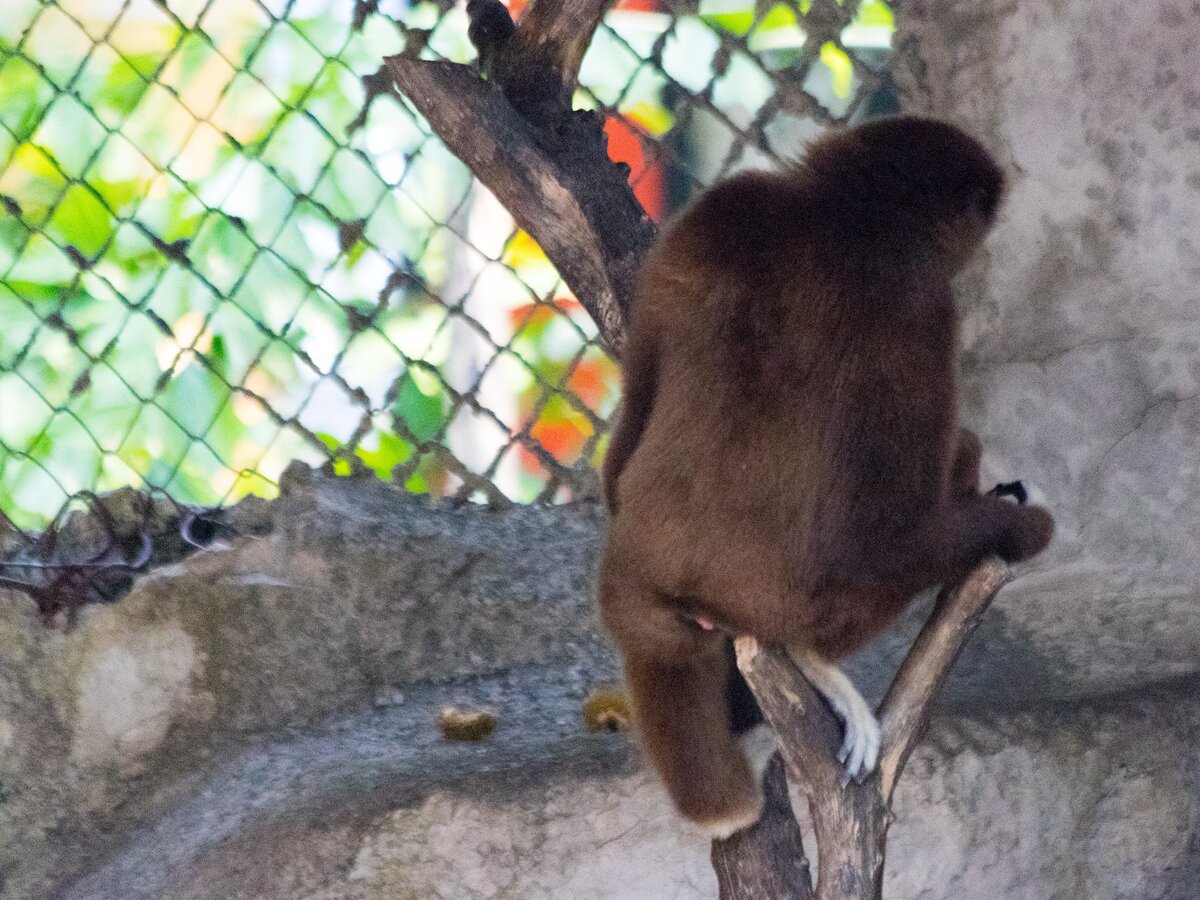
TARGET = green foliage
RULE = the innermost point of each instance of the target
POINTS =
(212, 264)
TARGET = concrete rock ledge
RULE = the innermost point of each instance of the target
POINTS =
(348, 596)
(1098, 801)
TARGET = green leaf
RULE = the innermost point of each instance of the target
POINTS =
(392, 451)
(82, 221)
(738, 16)
(123, 89)
(193, 397)
(875, 12)
(656, 119)
(420, 403)
(329, 441)
(841, 68)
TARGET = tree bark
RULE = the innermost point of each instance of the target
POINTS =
(541, 62)
(548, 164)
(766, 860)
(906, 708)
(851, 823)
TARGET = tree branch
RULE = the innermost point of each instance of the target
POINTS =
(546, 163)
(559, 185)
(766, 860)
(809, 734)
(851, 823)
(905, 711)
(542, 61)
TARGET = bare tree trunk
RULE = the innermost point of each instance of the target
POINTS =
(549, 166)
(766, 860)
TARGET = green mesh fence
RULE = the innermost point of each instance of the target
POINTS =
(214, 260)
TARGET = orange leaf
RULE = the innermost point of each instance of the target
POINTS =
(646, 176)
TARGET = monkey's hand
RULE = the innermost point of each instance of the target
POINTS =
(860, 746)
(1014, 489)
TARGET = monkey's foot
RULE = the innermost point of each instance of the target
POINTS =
(860, 746)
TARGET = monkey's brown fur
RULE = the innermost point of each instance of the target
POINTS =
(788, 461)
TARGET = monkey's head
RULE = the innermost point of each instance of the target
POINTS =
(909, 178)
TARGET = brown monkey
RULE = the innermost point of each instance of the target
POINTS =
(788, 462)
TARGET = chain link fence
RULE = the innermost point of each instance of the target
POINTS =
(216, 256)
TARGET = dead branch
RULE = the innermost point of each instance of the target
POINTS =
(851, 823)
(905, 711)
(766, 860)
(548, 164)
(542, 60)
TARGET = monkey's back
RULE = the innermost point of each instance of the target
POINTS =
(803, 400)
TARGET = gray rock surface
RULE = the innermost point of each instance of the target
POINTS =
(1065, 803)
(343, 590)
(1082, 321)
(162, 728)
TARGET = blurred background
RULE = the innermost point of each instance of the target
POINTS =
(221, 250)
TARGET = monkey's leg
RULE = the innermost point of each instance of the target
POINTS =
(986, 524)
(677, 677)
(679, 709)
(969, 531)
(860, 747)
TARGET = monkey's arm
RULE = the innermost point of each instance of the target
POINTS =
(639, 373)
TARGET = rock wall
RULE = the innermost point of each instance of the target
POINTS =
(1058, 805)
(345, 590)
(1082, 322)
(258, 720)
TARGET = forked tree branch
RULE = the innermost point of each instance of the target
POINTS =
(851, 823)
(543, 58)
